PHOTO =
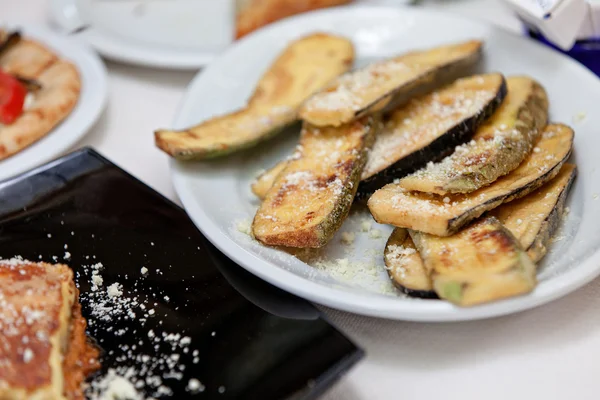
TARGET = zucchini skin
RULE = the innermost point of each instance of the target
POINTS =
(444, 216)
(423, 84)
(304, 66)
(421, 294)
(458, 222)
(538, 249)
(437, 150)
(399, 237)
(535, 248)
(503, 142)
(497, 267)
(451, 61)
(192, 154)
(535, 116)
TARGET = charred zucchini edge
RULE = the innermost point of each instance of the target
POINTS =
(208, 153)
(435, 151)
(504, 160)
(538, 249)
(456, 223)
(424, 83)
(319, 235)
(420, 293)
(452, 288)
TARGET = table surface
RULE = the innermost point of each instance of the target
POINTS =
(546, 353)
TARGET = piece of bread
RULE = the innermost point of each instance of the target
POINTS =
(44, 353)
(253, 14)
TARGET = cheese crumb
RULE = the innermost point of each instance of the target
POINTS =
(194, 386)
(579, 117)
(245, 227)
(114, 386)
(374, 233)
(27, 356)
(365, 226)
(446, 200)
(97, 280)
(348, 238)
(115, 290)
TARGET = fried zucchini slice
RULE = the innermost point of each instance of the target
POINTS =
(304, 67)
(444, 216)
(498, 147)
(481, 263)
(405, 266)
(534, 218)
(427, 128)
(265, 180)
(312, 196)
(383, 85)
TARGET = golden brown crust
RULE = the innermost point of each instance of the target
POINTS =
(34, 322)
(303, 67)
(254, 14)
(311, 197)
(81, 358)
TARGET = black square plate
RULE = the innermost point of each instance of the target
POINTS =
(192, 313)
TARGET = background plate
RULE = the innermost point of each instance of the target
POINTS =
(217, 196)
(173, 34)
(87, 111)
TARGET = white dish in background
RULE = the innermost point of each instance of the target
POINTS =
(89, 106)
(217, 196)
(173, 34)
(178, 34)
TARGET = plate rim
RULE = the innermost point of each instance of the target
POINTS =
(65, 135)
(121, 51)
(366, 303)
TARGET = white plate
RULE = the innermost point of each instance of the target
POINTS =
(217, 196)
(182, 34)
(89, 106)
(174, 34)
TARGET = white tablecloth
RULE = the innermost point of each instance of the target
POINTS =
(552, 352)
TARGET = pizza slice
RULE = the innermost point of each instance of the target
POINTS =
(37, 91)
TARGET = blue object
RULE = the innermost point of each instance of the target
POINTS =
(587, 52)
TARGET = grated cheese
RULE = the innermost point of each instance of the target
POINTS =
(396, 257)
(195, 386)
(365, 226)
(375, 234)
(115, 290)
(348, 238)
(245, 226)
